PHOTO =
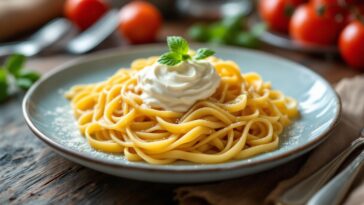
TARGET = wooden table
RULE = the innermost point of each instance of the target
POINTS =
(30, 173)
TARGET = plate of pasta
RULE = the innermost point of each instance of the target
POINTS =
(181, 113)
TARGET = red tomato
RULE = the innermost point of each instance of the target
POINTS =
(351, 43)
(308, 27)
(360, 9)
(327, 2)
(139, 22)
(84, 13)
(331, 8)
(353, 2)
(355, 12)
(277, 13)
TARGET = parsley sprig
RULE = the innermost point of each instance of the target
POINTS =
(14, 69)
(178, 52)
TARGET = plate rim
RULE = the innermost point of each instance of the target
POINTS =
(135, 49)
(281, 40)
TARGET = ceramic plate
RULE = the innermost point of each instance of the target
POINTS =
(282, 40)
(49, 116)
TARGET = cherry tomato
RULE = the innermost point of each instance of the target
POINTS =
(84, 13)
(139, 22)
(351, 43)
(353, 2)
(359, 9)
(331, 8)
(308, 27)
(277, 13)
(326, 2)
(356, 11)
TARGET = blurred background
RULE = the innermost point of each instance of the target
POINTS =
(325, 35)
(36, 36)
(20, 19)
(310, 26)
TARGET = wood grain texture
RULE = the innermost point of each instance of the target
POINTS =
(30, 173)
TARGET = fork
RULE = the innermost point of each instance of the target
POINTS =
(334, 191)
(302, 192)
(40, 40)
(56, 29)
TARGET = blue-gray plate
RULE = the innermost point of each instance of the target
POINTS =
(49, 115)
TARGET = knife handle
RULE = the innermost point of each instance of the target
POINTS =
(334, 191)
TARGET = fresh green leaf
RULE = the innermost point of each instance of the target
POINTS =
(24, 83)
(3, 85)
(247, 39)
(232, 30)
(170, 59)
(258, 29)
(31, 75)
(218, 33)
(234, 23)
(23, 78)
(177, 55)
(203, 53)
(15, 63)
(177, 44)
(199, 32)
(186, 57)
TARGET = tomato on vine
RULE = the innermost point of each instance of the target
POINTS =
(309, 26)
(277, 13)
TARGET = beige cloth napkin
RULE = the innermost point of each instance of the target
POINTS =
(18, 16)
(267, 186)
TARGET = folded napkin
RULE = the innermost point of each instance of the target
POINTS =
(18, 16)
(266, 187)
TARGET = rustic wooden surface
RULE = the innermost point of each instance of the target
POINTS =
(30, 173)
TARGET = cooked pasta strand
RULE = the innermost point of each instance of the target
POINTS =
(242, 119)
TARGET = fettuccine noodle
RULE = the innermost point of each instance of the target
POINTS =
(243, 118)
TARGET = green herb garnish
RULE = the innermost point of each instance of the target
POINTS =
(178, 52)
(14, 68)
(14, 63)
(232, 30)
(203, 53)
(3, 85)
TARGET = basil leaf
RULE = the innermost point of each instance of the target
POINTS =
(170, 59)
(247, 39)
(234, 23)
(24, 83)
(177, 44)
(15, 63)
(218, 33)
(199, 32)
(31, 75)
(3, 85)
(203, 53)
(231, 30)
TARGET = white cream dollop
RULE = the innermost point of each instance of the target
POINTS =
(177, 88)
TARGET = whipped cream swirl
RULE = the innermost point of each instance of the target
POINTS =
(177, 88)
